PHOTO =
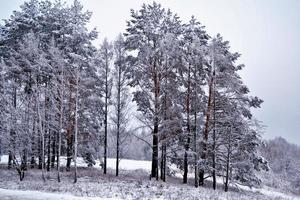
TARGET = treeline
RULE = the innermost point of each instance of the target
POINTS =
(60, 95)
(284, 162)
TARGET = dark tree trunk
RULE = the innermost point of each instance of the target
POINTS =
(24, 160)
(154, 168)
(12, 134)
(227, 174)
(163, 163)
(40, 154)
(105, 117)
(105, 132)
(47, 130)
(58, 151)
(206, 130)
(118, 118)
(226, 184)
(70, 129)
(214, 144)
(118, 150)
(19, 168)
(9, 160)
(53, 150)
(69, 149)
(185, 167)
(49, 151)
(32, 162)
(33, 147)
(155, 150)
(195, 149)
(187, 145)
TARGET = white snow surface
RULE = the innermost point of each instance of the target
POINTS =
(6, 194)
(133, 183)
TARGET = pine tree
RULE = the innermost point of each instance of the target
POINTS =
(145, 32)
(120, 118)
(192, 70)
(105, 56)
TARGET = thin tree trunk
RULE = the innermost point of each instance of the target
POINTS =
(226, 184)
(195, 149)
(163, 162)
(60, 124)
(49, 151)
(70, 130)
(195, 130)
(187, 146)
(53, 150)
(9, 159)
(40, 148)
(164, 136)
(76, 127)
(154, 167)
(214, 142)
(118, 118)
(206, 130)
(12, 134)
(33, 145)
(47, 131)
(106, 113)
(24, 160)
(42, 134)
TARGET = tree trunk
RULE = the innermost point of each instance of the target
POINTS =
(214, 143)
(118, 118)
(185, 167)
(12, 134)
(53, 150)
(42, 134)
(70, 129)
(69, 148)
(187, 146)
(40, 153)
(195, 149)
(49, 151)
(59, 151)
(154, 167)
(206, 130)
(60, 121)
(24, 160)
(19, 168)
(33, 146)
(105, 117)
(9, 159)
(163, 163)
(226, 184)
(76, 127)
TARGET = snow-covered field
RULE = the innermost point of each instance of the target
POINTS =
(133, 183)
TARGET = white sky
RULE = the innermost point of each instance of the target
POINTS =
(265, 32)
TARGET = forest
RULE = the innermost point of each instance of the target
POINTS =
(164, 90)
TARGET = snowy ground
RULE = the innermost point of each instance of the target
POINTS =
(133, 183)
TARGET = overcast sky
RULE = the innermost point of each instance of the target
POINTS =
(265, 32)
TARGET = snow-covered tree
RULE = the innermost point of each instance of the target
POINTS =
(104, 57)
(144, 34)
(121, 113)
